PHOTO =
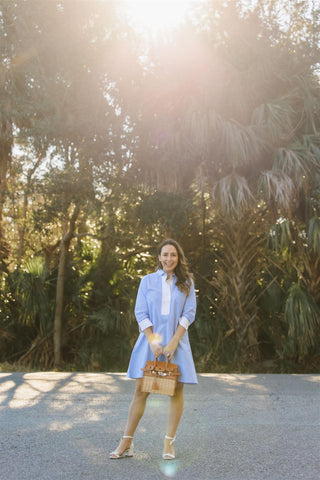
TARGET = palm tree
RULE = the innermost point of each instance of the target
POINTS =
(238, 265)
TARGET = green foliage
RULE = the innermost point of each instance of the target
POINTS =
(32, 296)
(280, 238)
(105, 342)
(314, 234)
(169, 211)
(303, 317)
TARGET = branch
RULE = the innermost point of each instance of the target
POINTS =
(136, 252)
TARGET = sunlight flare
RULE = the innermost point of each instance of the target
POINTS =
(156, 15)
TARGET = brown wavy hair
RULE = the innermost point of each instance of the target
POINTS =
(184, 277)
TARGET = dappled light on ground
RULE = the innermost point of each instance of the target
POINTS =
(232, 381)
(31, 388)
(60, 426)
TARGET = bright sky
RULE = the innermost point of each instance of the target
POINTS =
(156, 15)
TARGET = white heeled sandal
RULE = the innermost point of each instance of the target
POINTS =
(169, 456)
(128, 452)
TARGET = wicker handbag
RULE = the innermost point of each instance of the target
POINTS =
(160, 377)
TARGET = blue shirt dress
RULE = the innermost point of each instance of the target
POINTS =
(149, 312)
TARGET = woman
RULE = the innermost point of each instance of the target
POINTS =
(165, 307)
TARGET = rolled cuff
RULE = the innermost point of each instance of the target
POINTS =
(144, 324)
(184, 322)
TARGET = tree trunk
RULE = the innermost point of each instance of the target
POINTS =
(235, 282)
(58, 317)
(5, 157)
(22, 227)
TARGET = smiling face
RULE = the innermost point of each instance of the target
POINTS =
(168, 258)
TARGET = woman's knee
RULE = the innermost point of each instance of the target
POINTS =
(179, 388)
(138, 392)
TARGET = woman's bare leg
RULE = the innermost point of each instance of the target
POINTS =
(136, 411)
(175, 412)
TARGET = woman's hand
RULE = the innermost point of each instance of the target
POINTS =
(154, 340)
(170, 348)
(156, 349)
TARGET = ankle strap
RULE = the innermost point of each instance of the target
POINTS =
(126, 436)
(170, 438)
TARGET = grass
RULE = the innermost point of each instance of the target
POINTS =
(15, 367)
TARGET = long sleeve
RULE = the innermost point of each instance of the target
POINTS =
(189, 310)
(141, 308)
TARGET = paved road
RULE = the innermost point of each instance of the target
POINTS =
(60, 426)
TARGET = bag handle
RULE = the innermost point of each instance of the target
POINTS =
(156, 359)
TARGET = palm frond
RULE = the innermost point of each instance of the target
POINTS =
(32, 292)
(277, 186)
(300, 160)
(314, 233)
(311, 144)
(36, 267)
(308, 89)
(201, 127)
(285, 233)
(108, 320)
(241, 144)
(276, 118)
(233, 194)
(280, 237)
(303, 317)
(292, 163)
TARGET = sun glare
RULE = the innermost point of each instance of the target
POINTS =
(156, 15)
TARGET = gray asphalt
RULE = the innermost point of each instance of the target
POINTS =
(61, 426)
